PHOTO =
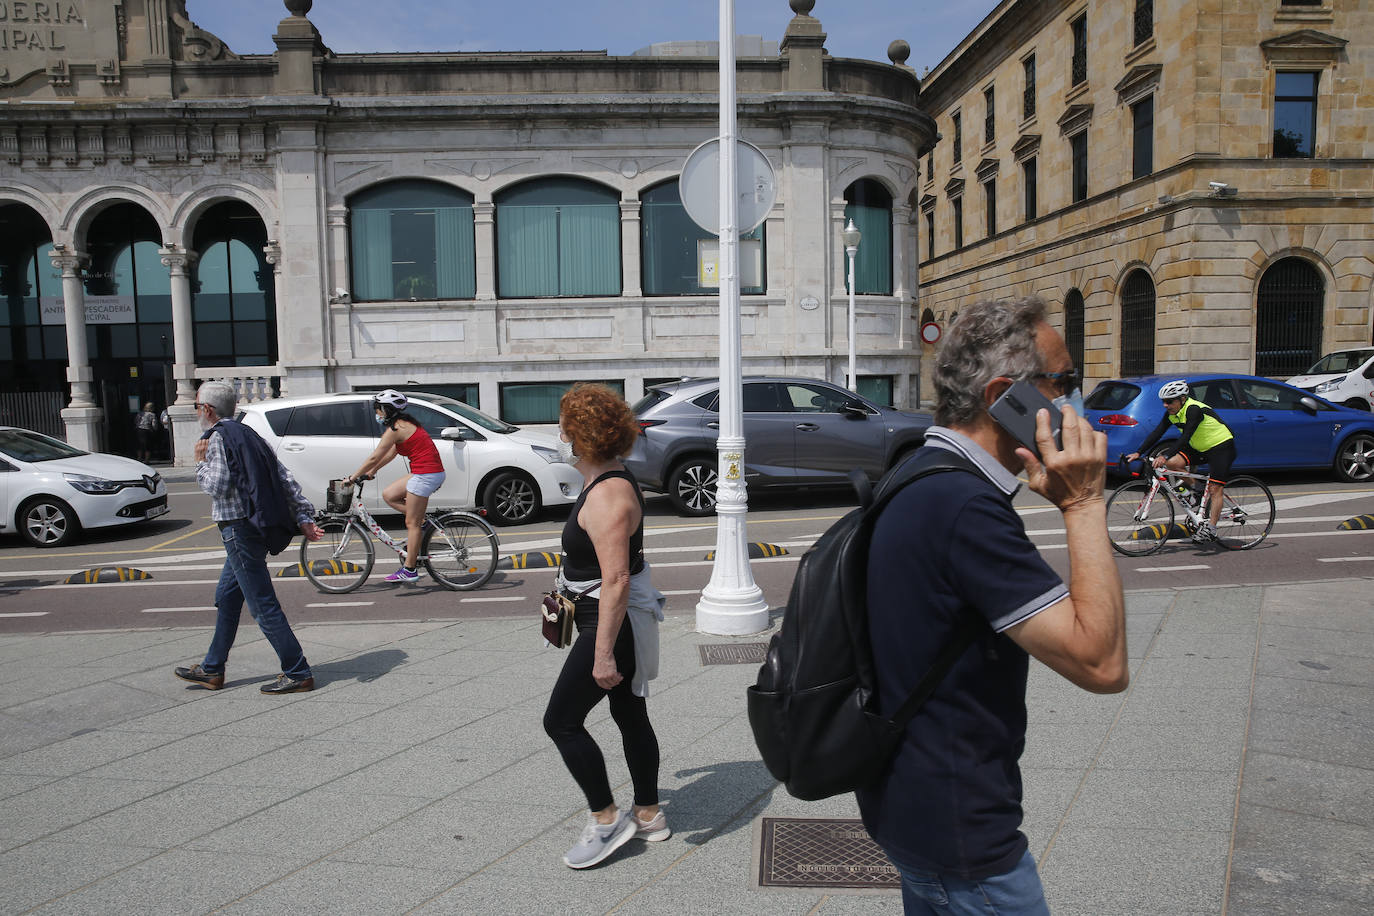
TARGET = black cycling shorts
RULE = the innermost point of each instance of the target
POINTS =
(1218, 459)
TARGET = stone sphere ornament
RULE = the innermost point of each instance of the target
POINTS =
(802, 7)
(299, 7)
(898, 52)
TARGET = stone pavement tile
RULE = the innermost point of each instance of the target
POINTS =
(170, 645)
(405, 723)
(1197, 671)
(341, 666)
(1050, 698)
(175, 816)
(540, 858)
(1064, 744)
(1215, 646)
(302, 765)
(698, 788)
(69, 756)
(454, 665)
(1341, 603)
(183, 759)
(1315, 699)
(1166, 746)
(1155, 800)
(678, 732)
(1317, 664)
(344, 889)
(446, 636)
(510, 732)
(178, 880)
(386, 689)
(499, 689)
(1329, 740)
(1224, 705)
(1289, 862)
(200, 710)
(18, 736)
(839, 904)
(1321, 635)
(354, 637)
(295, 716)
(456, 836)
(1304, 786)
(312, 824)
(1135, 872)
(65, 802)
(89, 706)
(496, 895)
(539, 779)
(1047, 793)
(432, 770)
(18, 784)
(41, 871)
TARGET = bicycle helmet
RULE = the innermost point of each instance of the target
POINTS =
(390, 401)
(1175, 389)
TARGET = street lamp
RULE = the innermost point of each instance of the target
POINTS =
(851, 236)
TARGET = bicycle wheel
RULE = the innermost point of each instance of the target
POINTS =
(341, 560)
(1135, 529)
(1247, 514)
(460, 551)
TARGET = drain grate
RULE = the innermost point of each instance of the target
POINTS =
(822, 852)
(733, 653)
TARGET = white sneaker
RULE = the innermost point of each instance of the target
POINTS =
(654, 830)
(1205, 534)
(599, 841)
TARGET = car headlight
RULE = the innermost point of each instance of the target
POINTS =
(548, 454)
(88, 484)
(1329, 384)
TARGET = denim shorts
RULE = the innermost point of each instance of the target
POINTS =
(424, 484)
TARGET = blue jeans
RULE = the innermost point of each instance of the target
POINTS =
(245, 577)
(1018, 892)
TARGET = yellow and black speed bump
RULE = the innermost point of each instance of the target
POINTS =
(321, 568)
(537, 560)
(758, 550)
(1358, 523)
(107, 574)
(1158, 532)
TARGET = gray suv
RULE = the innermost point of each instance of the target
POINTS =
(798, 432)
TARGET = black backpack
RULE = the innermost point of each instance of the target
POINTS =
(812, 708)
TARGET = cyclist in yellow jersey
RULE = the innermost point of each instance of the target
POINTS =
(1203, 439)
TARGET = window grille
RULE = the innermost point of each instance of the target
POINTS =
(1028, 176)
(1138, 324)
(1144, 20)
(1073, 326)
(1079, 66)
(1288, 320)
(958, 138)
(1143, 147)
(989, 118)
(1028, 98)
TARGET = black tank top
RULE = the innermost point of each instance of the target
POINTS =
(579, 555)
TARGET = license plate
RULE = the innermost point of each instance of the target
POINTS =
(156, 511)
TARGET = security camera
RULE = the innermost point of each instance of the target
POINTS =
(1218, 185)
(340, 293)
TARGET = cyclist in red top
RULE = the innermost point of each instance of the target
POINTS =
(409, 495)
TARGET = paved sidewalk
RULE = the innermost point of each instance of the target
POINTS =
(1234, 776)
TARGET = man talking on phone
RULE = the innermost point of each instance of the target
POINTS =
(949, 545)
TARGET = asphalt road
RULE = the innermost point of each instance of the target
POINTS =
(180, 552)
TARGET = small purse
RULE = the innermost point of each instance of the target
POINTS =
(556, 615)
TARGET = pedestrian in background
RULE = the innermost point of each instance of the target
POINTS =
(259, 508)
(615, 654)
(145, 428)
(948, 810)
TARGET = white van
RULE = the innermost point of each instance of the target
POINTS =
(1343, 377)
(510, 472)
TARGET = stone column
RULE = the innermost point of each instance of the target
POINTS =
(84, 420)
(182, 412)
(272, 255)
(631, 258)
(484, 227)
(903, 247)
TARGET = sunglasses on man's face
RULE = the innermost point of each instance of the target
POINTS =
(1065, 381)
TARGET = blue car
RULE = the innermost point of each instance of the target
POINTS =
(1277, 426)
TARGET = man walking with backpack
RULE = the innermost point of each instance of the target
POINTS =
(948, 548)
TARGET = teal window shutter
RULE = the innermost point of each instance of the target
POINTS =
(589, 250)
(527, 251)
(873, 262)
(454, 248)
(372, 254)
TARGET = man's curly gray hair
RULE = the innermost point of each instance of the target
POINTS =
(987, 340)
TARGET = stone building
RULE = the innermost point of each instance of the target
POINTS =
(1189, 183)
(494, 226)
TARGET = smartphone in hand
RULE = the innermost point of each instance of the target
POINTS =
(1015, 412)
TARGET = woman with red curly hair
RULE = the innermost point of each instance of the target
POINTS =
(604, 572)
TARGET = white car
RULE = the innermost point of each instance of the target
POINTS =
(509, 472)
(1343, 377)
(50, 490)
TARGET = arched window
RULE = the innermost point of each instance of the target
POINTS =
(1073, 326)
(233, 298)
(557, 237)
(870, 206)
(33, 343)
(669, 247)
(1288, 320)
(1138, 324)
(412, 239)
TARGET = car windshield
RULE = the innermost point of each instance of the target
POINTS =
(22, 445)
(1340, 361)
(470, 413)
(1111, 396)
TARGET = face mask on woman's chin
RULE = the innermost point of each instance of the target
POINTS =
(1074, 399)
(565, 452)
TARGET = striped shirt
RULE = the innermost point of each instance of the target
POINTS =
(226, 503)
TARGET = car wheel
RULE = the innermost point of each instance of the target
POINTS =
(511, 498)
(692, 487)
(1358, 404)
(1355, 460)
(46, 521)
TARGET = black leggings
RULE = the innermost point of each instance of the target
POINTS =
(576, 694)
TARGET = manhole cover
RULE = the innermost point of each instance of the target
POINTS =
(822, 852)
(733, 653)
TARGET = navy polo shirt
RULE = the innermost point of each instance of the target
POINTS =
(947, 545)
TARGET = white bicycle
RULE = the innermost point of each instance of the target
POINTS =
(459, 549)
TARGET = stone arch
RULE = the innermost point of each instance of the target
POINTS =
(82, 212)
(194, 205)
(1291, 301)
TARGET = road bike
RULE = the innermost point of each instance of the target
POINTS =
(1140, 513)
(459, 549)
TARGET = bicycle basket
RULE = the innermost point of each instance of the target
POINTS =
(338, 497)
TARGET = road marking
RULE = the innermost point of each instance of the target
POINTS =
(682, 591)
(26, 614)
(490, 600)
(180, 537)
(1343, 559)
(342, 604)
(175, 610)
(1170, 568)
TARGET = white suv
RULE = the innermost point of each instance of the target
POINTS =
(1343, 377)
(510, 472)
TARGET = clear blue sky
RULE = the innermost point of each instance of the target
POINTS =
(855, 28)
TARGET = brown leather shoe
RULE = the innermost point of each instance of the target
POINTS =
(198, 675)
(285, 683)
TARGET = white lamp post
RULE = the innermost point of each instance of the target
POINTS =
(851, 236)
